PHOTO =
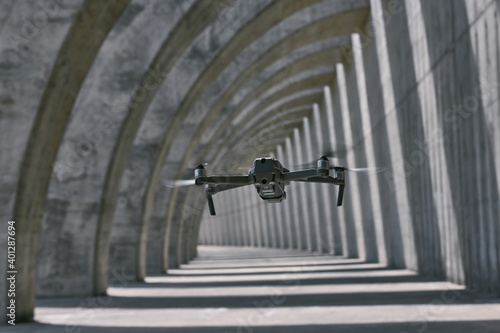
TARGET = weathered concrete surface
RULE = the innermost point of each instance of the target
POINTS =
(261, 290)
(21, 75)
(300, 36)
(89, 139)
(66, 78)
(403, 224)
(92, 135)
(165, 59)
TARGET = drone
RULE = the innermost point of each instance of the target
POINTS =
(270, 178)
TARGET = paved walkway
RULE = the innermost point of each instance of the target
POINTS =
(228, 289)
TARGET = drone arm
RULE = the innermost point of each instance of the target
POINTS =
(227, 180)
(300, 175)
(329, 180)
(220, 188)
(325, 180)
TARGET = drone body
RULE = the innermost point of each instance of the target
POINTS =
(270, 178)
(267, 177)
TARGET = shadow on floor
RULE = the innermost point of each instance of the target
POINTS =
(486, 326)
(358, 297)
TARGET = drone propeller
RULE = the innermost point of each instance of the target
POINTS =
(179, 183)
(201, 165)
(312, 164)
(184, 182)
(363, 170)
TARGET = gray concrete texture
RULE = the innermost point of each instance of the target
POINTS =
(242, 289)
(102, 103)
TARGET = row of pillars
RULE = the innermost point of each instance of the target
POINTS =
(309, 218)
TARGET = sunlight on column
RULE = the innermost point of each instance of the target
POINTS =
(333, 144)
(312, 189)
(434, 140)
(301, 193)
(294, 199)
(359, 70)
(326, 202)
(353, 187)
(396, 150)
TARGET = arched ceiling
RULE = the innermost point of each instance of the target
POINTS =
(127, 94)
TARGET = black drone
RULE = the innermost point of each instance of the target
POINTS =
(270, 178)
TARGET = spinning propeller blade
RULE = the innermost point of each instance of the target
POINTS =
(312, 164)
(365, 170)
(184, 182)
(179, 183)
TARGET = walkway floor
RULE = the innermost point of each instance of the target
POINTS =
(246, 290)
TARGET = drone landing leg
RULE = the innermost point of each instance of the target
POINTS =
(341, 195)
(211, 206)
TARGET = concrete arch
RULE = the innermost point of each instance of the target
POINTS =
(249, 32)
(314, 80)
(322, 57)
(103, 103)
(46, 134)
(75, 189)
(173, 47)
(305, 36)
(304, 97)
(332, 49)
(342, 21)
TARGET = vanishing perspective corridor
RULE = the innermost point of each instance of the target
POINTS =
(250, 166)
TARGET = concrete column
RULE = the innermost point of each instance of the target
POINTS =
(404, 219)
(271, 208)
(238, 216)
(231, 227)
(264, 222)
(194, 209)
(349, 248)
(226, 218)
(302, 194)
(238, 213)
(374, 188)
(271, 224)
(203, 239)
(245, 215)
(326, 202)
(281, 221)
(256, 218)
(366, 250)
(207, 236)
(193, 253)
(211, 227)
(217, 222)
(313, 189)
(184, 225)
(171, 233)
(250, 192)
(440, 177)
(293, 204)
